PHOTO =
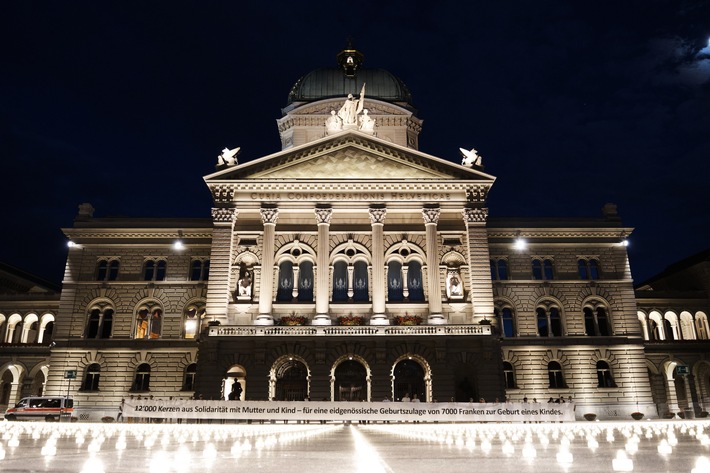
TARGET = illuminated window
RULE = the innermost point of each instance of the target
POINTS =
(91, 377)
(604, 378)
(192, 321)
(141, 381)
(107, 270)
(554, 372)
(149, 321)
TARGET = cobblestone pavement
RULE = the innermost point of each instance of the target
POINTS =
(657, 446)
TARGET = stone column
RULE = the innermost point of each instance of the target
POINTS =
(479, 262)
(379, 283)
(269, 216)
(220, 263)
(431, 219)
(323, 216)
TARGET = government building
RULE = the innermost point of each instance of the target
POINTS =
(351, 266)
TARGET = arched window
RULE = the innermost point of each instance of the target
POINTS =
(499, 269)
(107, 270)
(537, 269)
(149, 323)
(701, 326)
(554, 372)
(141, 381)
(340, 281)
(188, 383)
(91, 377)
(668, 329)
(305, 281)
(588, 268)
(549, 322)
(200, 270)
(360, 282)
(100, 323)
(507, 321)
(548, 269)
(509, 375)
(414, 281)
(154, 270)
(604, 378)
(192, 320)
(395, 288)
(285, 290)
(596, 322)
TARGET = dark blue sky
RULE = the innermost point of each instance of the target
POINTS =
(571, 104)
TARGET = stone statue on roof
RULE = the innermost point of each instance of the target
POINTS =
(351, 108)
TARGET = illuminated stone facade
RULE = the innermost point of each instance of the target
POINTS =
(349, 265)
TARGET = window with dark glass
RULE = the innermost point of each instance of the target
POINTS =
(604, 378)
(189, 381)
(414, 281)
(154, 270)
(340, 281)
(107, 270)
(554, 371)
(141, 381)
(91, 377)
(199, 270)
(360, 282)
(305, 281)
(284, 292)
(507, 321)
(588, 269)
(395, 288)
(509, 375)
(549, 322)
(100, 323)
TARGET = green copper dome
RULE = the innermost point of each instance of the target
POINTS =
(348, 79)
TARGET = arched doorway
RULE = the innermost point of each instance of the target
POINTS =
(350, 381)
(291, 380)
(235, 379)
(409, 379)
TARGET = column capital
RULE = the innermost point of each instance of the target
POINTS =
(224, 215)
(474, 215)
(377, 215)
(269, 215)
(431, 215)
(323, 215)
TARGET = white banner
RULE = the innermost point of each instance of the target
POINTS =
(349, 411)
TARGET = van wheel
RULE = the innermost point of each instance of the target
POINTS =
(50, 419)
(11, 417)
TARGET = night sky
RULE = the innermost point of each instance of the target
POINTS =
(572, 104)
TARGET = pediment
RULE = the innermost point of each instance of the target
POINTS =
(351, 155)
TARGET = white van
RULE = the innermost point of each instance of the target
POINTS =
(35, 408)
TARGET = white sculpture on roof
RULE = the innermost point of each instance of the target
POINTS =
(334, 123)
(352, 107)
(228, 157)
(470, 158)
(367, 123)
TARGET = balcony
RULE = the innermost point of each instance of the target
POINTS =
(347, 331)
